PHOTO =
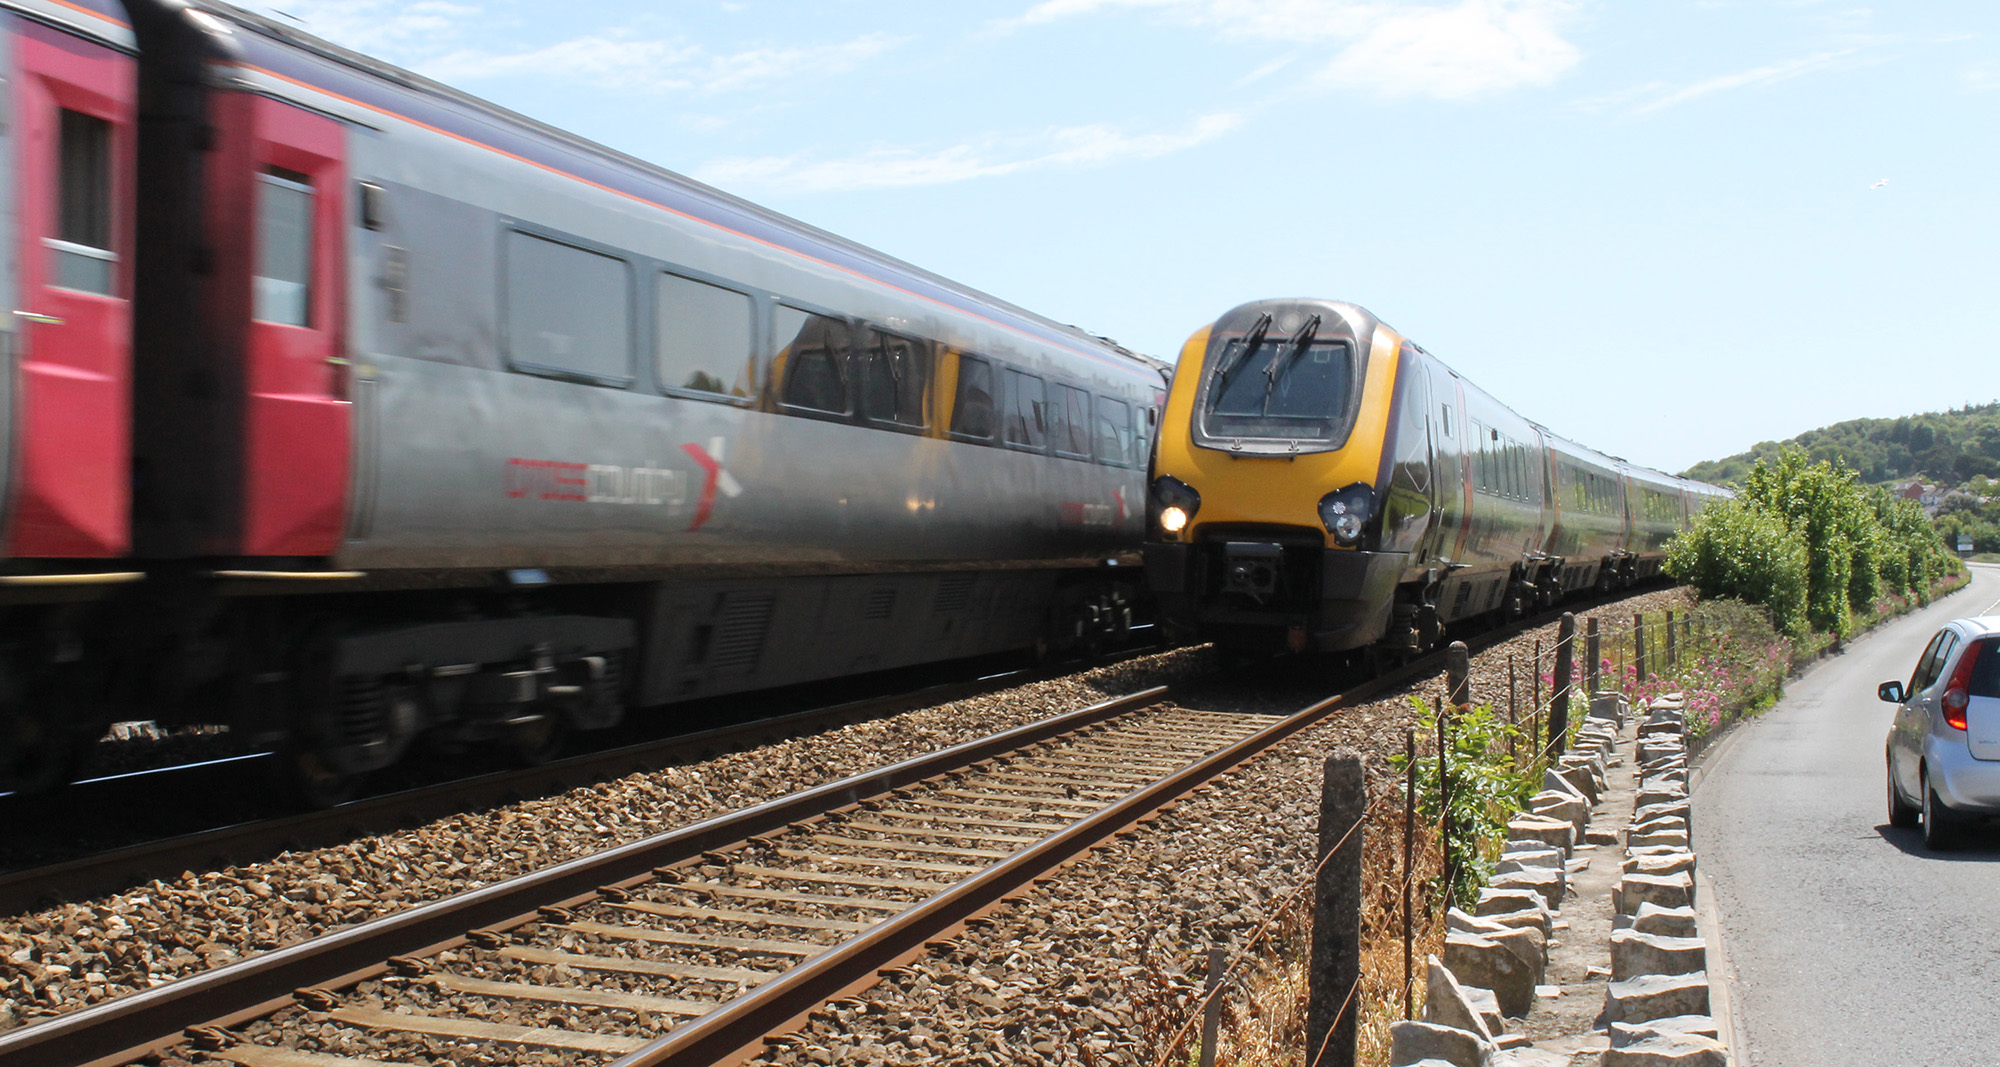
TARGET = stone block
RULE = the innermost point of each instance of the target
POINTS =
(1550, 882)
(1455, 919)
(1634, 953)
(1677, 838)
(1669, 922)
(1657, 824)
(1656, 996)
(1553, 782)
(1446, 1004)
(1664, 890)
(1623, 1034)
(1488, 1007)
(1536, 918)
(1555, 833)
(1664, 793)
(1659, 862)
(1667, 727)
(1412, 1043)
(1530, 1057)
(1491, 965)
(1568, 807)
(1523, 858)
(1608, 706)
(1498, 904)
(1677, 807)
(1669, 1050)
(1586, 781)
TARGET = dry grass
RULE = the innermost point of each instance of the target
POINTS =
(1264, 1013)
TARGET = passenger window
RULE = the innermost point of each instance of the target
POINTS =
(1986, 672)
(1926, 671)
(284, 247)
(702, 344)
(1114, 432)
(1444, 419)
(1072, 430)
(813, 349)
(568, 309)
(1026, 424)
(972, 411)
(896, 380)
(83, 258)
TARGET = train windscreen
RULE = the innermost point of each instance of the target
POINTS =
(1275, 388)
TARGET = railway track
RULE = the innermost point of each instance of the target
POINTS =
(696, 945)
(258, 838)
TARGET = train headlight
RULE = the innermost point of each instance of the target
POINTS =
(1345, 513)
(1174, 503)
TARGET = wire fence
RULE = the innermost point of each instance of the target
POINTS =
(1615, 656)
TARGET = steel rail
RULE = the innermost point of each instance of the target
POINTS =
(124, 1029)
(738, 1030)
(150, 1021)
(24, 889)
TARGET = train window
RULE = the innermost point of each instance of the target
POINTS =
(568, 309)
(896, 379)
(1444, 419)
(812, 352)
(82, 243)
(702, 344)
(283, 282)
(1026, 424)
(1296, 390)
(972, 411)
(1114, 432)
(1070, 429)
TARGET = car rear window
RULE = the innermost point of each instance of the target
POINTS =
(1985, 672)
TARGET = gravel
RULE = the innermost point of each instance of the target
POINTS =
(1094, 963)
(64, 958)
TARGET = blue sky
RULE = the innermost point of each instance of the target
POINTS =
(1657, 227)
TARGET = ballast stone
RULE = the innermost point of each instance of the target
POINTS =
(1656, 996)
(1634, 952)
(1412, 1043)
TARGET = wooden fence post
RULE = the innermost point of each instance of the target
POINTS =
(1559, 700)
(1592, 649)
(1334, 1009)
(1639, 649)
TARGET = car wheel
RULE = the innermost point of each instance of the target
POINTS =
(1902, 813)
(1940, 824)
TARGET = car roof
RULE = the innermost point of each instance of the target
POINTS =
(1981, 625)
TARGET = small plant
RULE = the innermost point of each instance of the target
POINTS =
(1482, 788)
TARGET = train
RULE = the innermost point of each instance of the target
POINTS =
(356, 413)
(1324, 484)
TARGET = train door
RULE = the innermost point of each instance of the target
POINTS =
(73, 146)
(1449, 442)
(288, 196)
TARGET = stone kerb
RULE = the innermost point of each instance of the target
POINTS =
(1495, 958)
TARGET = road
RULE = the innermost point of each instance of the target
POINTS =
(1846, 942)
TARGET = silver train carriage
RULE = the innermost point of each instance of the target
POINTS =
(1323, 483)
(453, 425)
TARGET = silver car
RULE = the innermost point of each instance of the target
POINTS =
(1944, 748)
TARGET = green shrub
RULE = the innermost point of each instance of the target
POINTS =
(1740, 551)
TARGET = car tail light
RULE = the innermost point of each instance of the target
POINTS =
(1958, 692)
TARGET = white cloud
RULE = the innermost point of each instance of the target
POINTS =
(1982, 79)
(662, 65)
(889, 168)
(1769, 74)
(1395, 48)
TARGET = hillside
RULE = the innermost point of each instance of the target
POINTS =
(1944, 446)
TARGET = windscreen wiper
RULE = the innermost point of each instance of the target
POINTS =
(1252, 341)
(1283, 362)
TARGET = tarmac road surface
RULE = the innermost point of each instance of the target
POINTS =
(1846, 942)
